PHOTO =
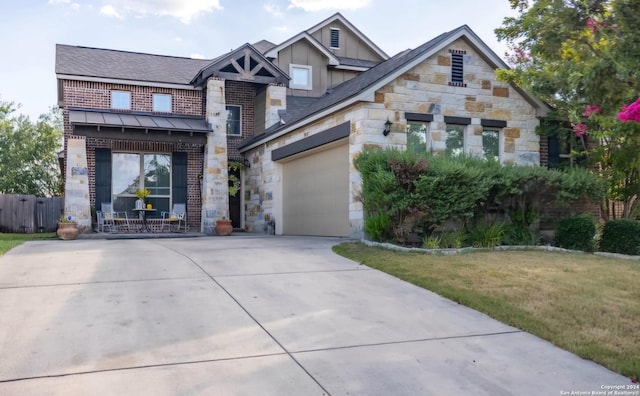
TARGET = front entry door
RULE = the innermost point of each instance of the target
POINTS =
(234, 204)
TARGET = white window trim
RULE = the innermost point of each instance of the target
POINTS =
(309, 85)
(338, 30)
(113, 102)
(239, 123)
(154, 103)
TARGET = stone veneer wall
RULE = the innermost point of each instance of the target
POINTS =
(424, 89)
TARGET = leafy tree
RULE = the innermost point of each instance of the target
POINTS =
(28, 159)
(582, 57)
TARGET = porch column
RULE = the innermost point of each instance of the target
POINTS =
(215, 181)
(276, 99)
(76, 186)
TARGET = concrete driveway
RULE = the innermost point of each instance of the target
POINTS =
(252, 315)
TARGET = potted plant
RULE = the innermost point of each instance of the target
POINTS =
(223, 227)
(142, 194)
(67, 228)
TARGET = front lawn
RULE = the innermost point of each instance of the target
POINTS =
(586, 304)
(9, 241)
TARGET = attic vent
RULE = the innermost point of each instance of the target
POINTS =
(457, 68)
(335, 38)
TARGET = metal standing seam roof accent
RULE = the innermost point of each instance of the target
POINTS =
(139, 121)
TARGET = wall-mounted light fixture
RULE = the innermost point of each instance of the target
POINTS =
(246, 163)
(387, 127)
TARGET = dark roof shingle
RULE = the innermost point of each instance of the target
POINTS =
(123, 65)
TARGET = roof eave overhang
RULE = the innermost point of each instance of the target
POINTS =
(213, 69)
(62, 76)
(338, 17)
(273, 52)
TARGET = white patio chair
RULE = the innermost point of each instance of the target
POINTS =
(113, 219)
(177, 215)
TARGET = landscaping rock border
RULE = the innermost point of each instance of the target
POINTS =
(448, 252)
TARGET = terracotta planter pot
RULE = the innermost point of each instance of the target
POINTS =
(223, 227)
(67, 231)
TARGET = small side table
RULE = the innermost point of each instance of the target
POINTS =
(142, 212)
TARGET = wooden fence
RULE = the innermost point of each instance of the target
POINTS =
(29, 214)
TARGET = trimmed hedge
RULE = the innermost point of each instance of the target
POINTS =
(621, 236)
(576, 233)
(407, 195)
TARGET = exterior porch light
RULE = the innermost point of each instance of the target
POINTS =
(246, 163)
(387, 127)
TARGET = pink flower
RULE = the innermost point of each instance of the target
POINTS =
(591, 110)
(580, 129)
(594, 25)
(630, 112)
(521, 54)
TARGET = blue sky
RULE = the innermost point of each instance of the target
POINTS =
(207, 28)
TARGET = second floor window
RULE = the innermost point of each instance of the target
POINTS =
(233, 120)
(121, 100)
(300, 77)
(162, 103)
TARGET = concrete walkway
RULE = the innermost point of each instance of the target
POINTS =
(252, 315)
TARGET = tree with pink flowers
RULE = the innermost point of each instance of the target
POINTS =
(582, 58)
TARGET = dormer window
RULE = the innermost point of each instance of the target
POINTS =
(300, 77)
(121, 100)
(335, 38)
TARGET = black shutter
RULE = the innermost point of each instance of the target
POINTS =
(103, 176)
(179, 177)
(554, 151)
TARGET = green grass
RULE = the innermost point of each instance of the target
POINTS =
(9, 241)
(586, 304)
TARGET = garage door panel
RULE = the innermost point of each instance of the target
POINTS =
(316, 194)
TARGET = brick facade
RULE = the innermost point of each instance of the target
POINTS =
(240, 94)
(97, 95)
(94, 95)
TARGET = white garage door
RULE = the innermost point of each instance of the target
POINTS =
(316, 193)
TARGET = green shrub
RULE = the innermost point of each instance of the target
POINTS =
(517, 235)
(431, 242)
(576, 233)
(453, 239)
(486, 235)
(621, 236)
(377, 226)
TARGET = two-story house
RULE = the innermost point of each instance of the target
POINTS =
(295, 113)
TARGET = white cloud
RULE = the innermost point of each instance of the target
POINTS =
(272, 9)
(184, 10)
(75, 6)
(319, 5)
(59, 1)
(197, 56)
(108, 10)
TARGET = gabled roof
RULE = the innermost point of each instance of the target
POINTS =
(242, 64)
(263, 45)
(363, 86)
(123, 65)
(338, 17)
(273, 52)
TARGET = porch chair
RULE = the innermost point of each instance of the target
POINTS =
(113, 219)
(177, 215)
